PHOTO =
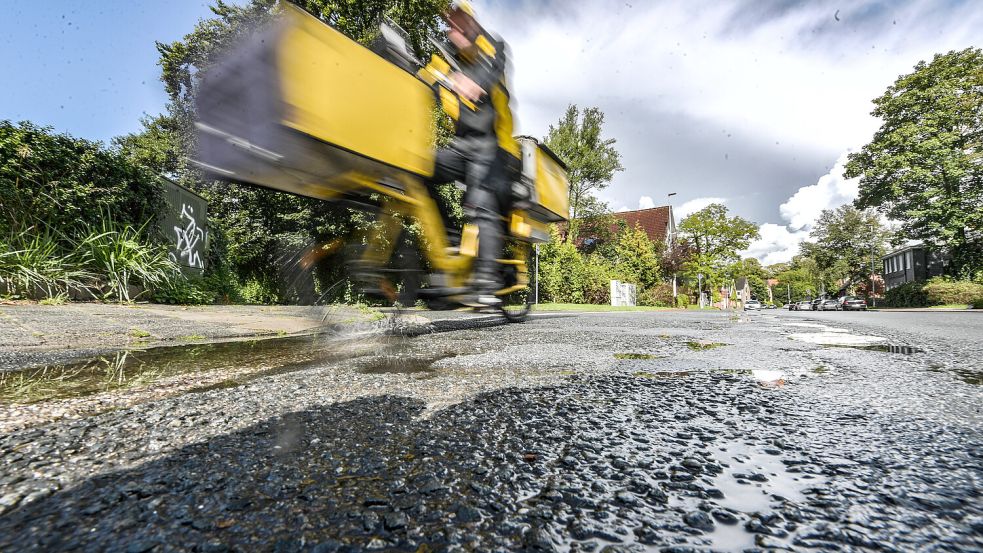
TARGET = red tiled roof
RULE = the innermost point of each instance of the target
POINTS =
(654, 221)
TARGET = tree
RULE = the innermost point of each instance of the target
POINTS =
(636, 259)
(717, 237)
(924, 166)
(591, 160)
(716, 240)
(843, 242)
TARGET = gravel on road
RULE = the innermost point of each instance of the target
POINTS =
(665, 431)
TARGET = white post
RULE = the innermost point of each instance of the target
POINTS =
(536, 293)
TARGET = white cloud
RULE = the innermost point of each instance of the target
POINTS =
(695, 205)
(830, 192)
(709, 96)
(778, 243)
(646, 202)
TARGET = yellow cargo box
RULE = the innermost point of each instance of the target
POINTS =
(550, 196)
(300, 106)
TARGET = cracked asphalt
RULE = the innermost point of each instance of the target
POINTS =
(633, 431)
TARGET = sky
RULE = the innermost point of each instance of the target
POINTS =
(88, 68)
(753, 103)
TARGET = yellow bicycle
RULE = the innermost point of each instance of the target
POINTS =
(302, 108)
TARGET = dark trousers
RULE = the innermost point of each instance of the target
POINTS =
(485, 200)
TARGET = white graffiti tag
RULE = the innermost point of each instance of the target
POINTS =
(189, 237)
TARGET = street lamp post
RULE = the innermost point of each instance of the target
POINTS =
(873, 270)
(672, 241)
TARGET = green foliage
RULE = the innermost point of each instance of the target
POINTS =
(591, 160)
(255, 291)
(91, 262)
(55, 180)
(943, 291)
(978, 304)
(567, 276)
(715, 240)
(796, 281)
(33, 264)
(755, 274)
(596, 227)
(122, 256)
(659, 295)
(635, 258)
(923, 166)
(909, 294)
(844, 241)
(185, 291)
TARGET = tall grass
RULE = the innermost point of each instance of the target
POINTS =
(33, 263)
(122, 256)
(98, 261)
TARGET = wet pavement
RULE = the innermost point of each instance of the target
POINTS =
(650, 431)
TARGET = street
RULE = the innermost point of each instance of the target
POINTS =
(625, 431)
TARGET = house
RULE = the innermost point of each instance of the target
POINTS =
(742, 290)
(912, 263)
(657, 222)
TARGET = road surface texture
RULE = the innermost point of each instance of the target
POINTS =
(648, 431)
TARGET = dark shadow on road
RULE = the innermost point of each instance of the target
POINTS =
(605, 460)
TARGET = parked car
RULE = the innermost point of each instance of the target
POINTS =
(831, 304)
(771, 306)
(815, 304)
(750, 305)
(804, 305)
(853, 303)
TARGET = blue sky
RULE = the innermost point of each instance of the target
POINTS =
(88, 67)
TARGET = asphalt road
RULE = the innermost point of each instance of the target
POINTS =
(660, 431)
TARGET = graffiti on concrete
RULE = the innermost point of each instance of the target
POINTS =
(190, 238)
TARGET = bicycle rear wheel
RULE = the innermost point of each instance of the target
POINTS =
(516, 305)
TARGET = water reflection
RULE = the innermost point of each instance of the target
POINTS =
(128, 369)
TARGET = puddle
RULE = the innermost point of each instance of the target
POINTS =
(662, 374)
(754, 482)
(634, 356)
(130, 369)
(969, 376)
(837, 339)
(768, 377)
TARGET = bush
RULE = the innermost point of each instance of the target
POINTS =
(58, 180)
(254, 291)
(909, 294)
(185, 291)
(978, 303)
(567, 276)
(942, 291)
(656, 296)
(683, 300)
